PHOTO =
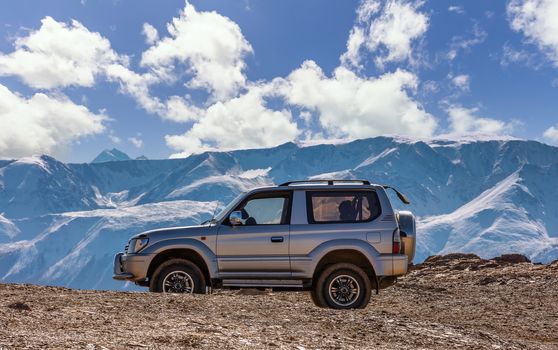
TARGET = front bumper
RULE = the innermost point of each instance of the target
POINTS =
(130, 267)
(119, 273)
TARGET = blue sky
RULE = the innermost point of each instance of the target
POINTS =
(80, 77)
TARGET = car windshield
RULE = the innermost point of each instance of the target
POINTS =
(228, 208)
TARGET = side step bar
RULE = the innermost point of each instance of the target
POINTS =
(262, 283)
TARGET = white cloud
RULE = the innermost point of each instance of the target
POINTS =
(460, 43)
(367, 9)
(43, 124)
(114, 139)
(210, 45)
(456, 9)
(305, 116)
(241, 122)
(136, 141)
(352, 56)
(399, 24)
(461, 81)
(430, 87)
(174, 108)
(390, 35)
(206, 50)
(536, 19)
(551, 134)
(59, 55)
(151, 34)
(352, 106)
(511, 55)
(464, 121)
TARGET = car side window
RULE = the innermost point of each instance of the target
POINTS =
(264, 211)
(342, 206)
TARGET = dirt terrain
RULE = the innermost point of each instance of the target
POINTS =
(449, 302)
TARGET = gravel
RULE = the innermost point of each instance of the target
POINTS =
(460, 302)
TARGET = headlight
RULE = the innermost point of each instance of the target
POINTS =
(137, 244)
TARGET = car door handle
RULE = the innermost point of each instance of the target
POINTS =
(277, 239)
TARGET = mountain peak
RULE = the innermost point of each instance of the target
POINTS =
(111, 155)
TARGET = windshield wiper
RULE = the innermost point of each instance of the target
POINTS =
(209, 222)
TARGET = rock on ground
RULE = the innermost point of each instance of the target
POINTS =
(449, 302)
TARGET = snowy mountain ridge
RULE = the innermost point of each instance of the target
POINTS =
(111, 155)
(62, 223)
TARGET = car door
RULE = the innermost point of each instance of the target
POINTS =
(259, 247)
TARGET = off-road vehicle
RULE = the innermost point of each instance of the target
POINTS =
(338, 239)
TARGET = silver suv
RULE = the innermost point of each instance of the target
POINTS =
(338, 239)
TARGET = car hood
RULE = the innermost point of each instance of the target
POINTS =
(172, 232)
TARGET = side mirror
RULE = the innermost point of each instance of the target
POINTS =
(235, 218)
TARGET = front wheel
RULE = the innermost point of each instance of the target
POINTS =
(178, 276)
(343, 286)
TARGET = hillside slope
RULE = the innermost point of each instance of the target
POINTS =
(446, 303)
(489, 197)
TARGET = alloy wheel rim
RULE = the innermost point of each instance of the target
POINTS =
(178, 282)
(344, 290)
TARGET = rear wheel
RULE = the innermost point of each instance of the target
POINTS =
(343, 286)
(178, 276)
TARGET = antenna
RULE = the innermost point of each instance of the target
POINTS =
(214, 212)
(212, 216)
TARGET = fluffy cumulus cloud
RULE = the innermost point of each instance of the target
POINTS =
(151, 34)
(136, 141)
(345, 104)
(207, 51)
(390, 34)
(210, 45)
(59, 55)
(465, 121)
(205, 48)
(240, 122)
(551, 134)
(536, 20)
(352, 106)
(43, 124)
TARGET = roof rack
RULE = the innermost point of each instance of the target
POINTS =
(330, 182)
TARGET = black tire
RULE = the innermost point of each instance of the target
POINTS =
(315, 299)
(184, 272)
(349, 284)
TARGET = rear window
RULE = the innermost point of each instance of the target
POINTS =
(342, 206)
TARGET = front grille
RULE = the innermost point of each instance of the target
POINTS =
(127, 247)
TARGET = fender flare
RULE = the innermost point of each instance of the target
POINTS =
(209, 258)
(369, 252)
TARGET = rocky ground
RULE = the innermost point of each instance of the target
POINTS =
(449, 302)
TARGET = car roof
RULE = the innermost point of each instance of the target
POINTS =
(316, 186)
